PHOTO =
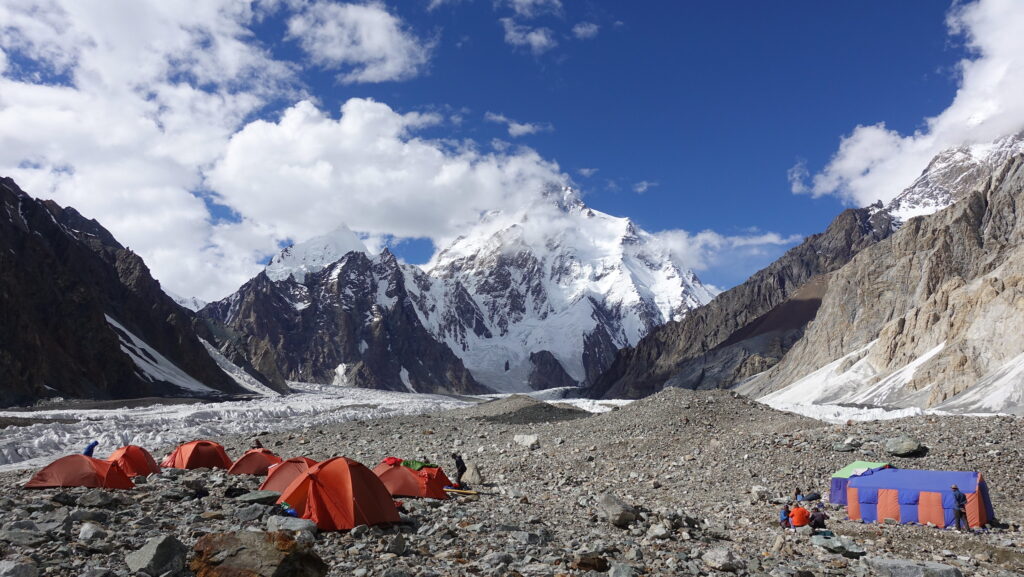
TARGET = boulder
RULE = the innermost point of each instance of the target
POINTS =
(251, 512)
(760, 493)
(903, 446)
(472, 475)
(840, 545)
(24, 537)
(96, 498)
(279, 523)
(908, 568)
(91, 532)
(259, 497)
(160, 555)
(591, 561)
(397, 546)
(528, 441)
(255, 554)
(618, 513)
(17, 569)
(621, 570)
(722, 559)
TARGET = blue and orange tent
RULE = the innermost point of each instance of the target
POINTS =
(837, 490)
(917, 496)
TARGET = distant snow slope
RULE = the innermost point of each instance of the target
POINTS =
(191, 303)
(153, 366)
(313, 255)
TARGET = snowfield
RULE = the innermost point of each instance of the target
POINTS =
(160, 427)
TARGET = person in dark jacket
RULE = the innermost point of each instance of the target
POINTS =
(960, 511)
(90, 448)
(460, 468)
(784, 517)
(818, 518)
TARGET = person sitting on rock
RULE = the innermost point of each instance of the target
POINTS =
(818, 518)
(460, 469)
(90, 448)
(798, 516)
(798, 495)
(784, 517)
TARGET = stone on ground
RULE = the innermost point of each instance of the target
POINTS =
(159, 556)
(255, 554)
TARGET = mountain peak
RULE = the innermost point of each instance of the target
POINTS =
(313, 255)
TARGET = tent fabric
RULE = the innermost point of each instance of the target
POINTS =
(254, 462)
(281, 475)
(134, 461)
(339, 494)
(80, 471)
(840, 479)
(402, 481)
(917, 496)
(197, 455)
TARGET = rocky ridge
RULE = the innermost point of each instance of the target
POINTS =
(680, 483)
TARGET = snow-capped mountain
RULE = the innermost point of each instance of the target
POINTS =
(536, 298)
(952, 174)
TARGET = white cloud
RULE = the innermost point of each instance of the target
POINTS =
(587, 172)
(435, 4)
(585, 30)
(516, 129)
(643, 186)
(538, 40)
(534, 8)
(365, 39)
(368, 169)
(876, 163)
(708, 249)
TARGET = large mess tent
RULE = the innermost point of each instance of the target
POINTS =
(917, 496)
(840, 479)
(80, 471)
(339, 494)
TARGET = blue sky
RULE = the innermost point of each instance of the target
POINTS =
(210, 133)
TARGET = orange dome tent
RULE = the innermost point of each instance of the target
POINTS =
(254, 462)
(134, 461)
(80, 471)
(196, 455)
(402, 481)
(281, 475)
(340, 493)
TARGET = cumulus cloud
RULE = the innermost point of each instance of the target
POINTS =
(875, 162)
(366, 40)
(709, 249)
(516, 129)
(643, 186)
(538, 40)
(585, 30)
(534, 8)
(587, 172)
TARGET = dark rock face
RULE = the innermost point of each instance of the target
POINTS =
(63, 275)
(547, 372)
(738, 334)
(352, 323)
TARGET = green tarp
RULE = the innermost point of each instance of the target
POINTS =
(417, 465)
(856, 467)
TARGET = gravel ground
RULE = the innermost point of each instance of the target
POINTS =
(688, 462)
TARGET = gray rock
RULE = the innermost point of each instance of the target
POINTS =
(908, 568)
(618, 512)
(259, 497)
(23, 524)
(722, 559)
(621, 570)
(159, 556)
(528, 441)
(397, 546)
(23, 537)
(472, 476)
(903, 446)
(256, 553)
(358, 531)
(250, 512)
(497, 558)
(86, 515)
(279, 523)
(96, 498)
(17, 569)
(97, 572)
(840, 545)
(659, 531)
(91, 532)
(843, 447)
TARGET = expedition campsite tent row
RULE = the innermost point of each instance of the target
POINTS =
(196, 455)
(837, 490)
(339, 494)
(917, 496)
(134, 461)
(404, 481)
(254, 462)
(80, 471)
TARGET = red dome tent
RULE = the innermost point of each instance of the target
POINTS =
(80, 471)
(254, 462)
(134, 461)
(281, 475)
(196, 455)
(340, 493)
(403, 481)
